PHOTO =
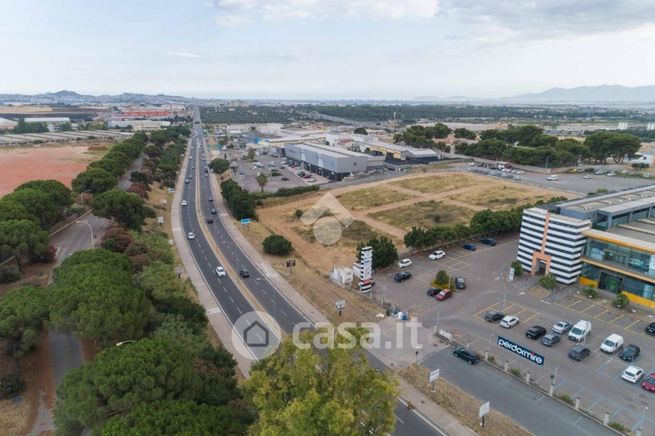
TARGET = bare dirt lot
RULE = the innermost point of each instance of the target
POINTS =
(59, 162)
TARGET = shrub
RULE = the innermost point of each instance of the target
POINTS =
(9, 274)
(515, 372)
(590, 292)
(619, 427)
(287, 192)
(518, 268)
(566, 398)
(548, 281)
(621, 300)
(298, 214)
(442, 279)
(277, 245)
(11, 385)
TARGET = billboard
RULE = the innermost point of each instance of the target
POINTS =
(520, 350)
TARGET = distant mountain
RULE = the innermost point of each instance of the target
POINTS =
(584, 94)
(66, 97)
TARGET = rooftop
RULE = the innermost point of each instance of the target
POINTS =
(615, 202)
(640, 233)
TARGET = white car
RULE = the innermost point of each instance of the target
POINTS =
(311, 179)
(436, 255)
(184, 203)
(587, 176)
(580, 330)
(612, 343)
(632, 374)
(509, 321)
(471, 164)
(561, 327)
(220, 271)
(552, 178)
(404, 263)
(191, 235)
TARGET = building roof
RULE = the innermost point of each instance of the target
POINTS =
(615, 202)
(639, 235)
(48, 120)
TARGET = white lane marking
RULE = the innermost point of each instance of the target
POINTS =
(400, 420)
(239, 310)
(231, 299)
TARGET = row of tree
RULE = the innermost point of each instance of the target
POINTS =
(240, 202)
(422, 136)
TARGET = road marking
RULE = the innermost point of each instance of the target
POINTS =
(239, 310)
(616, 319)
(602, 313)
(231, 299)
(400, 420)
(627, 327)
(528, 319)
(283, 313)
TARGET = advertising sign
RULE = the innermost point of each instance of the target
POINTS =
(520, 350)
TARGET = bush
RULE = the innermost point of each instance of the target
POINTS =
(619, 427)
(11, 385)
(9, 274)
(621, 301)
(566, 398)
(548, 281)
(298, 214)
(442, 279)
(277, 245)
(287, 192)
(518, 268)
(590, 292)
(515, 372)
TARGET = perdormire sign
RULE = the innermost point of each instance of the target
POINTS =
(520, 350)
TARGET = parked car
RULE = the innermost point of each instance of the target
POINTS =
(468, 246)
(284, 179)
(587, 176)
(443, 294)
(467, 355)
(562, 327)
(404, 263)
(493, 316)
(437, 254)
(509, 321)
(460, 283)
(191, 235)
(632, 374)
(210, 220)
(612, 343)
(649, 382)
(184, 203)
(244, 273)
(220, 271)
(535, 332)
(311, 179)
(611, 174)
(580, 330)
(650, 329)
(488, 241)
(402, 276)
(552, 178)
(551, 339)
(212, 211)
(630, 353)
(579, 352)
(433, 291)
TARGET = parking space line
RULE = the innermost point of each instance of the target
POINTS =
(521, 311)
(594, 404)
(628, 326)
(528, 319)
(591, 306)
(616, 319)
(602, 313)
(571, 305)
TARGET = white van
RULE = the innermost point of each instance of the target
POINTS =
(580, 330)
(612, 343)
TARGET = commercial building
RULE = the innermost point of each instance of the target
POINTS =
(52, 122)
(605, 241)
(139, 125)
(331, 162)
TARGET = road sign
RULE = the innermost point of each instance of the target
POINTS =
(434, 375)
(520, 350)
(484, 409)
(510, 277)
(245, 221)
(291, 262)
(341, 304)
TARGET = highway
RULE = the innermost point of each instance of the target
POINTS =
(228, 295)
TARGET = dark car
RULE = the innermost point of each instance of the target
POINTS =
(187, 181)
(244, 273)
(650, 329)
(210, 220)
(284, 179)
(465, 354)
(460, 283)
(551, 339)
(402, 276)
(630, 353)
(493, 316)
(213, 211)
(535, 332)
(488, 241)
(579, 352)
(433, 291)
(649, 382)
(469, 247)
(211, 199)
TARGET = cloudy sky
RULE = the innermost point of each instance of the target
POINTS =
(324, 48)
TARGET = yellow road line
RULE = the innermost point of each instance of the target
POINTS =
(603, 312)
(591, 305)
(528, 319)
(574, 303)
(617, 318)
(628, 326)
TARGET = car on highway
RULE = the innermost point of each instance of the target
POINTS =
(244, 273)
(580, 330)
(488, 241)
(649, 382)
(552, 178)
(187, 181)
(562, 327)
(494, 316)
(535, 332)
(210, 199)
(444, 294)
(612, 343)
(212, 211)
(468, 246)
(220, 271)
(630, 353)
(284, 179)
(184, 203)
(509, 321)
(632, 374)
(650, 329)
(191, 235)
(467, 355)
(551, 339)
(460, 283)
(579, 352)
(404, 263)
(210, 220)
(402, 276)
(433, 291)
(437, 254)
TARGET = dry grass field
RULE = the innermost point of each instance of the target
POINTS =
(425, 214)
(371, 197)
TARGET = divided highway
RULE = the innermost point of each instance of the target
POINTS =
(229, 297)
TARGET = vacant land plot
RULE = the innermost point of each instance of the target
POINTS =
(425, 214)
(503, 196)
(59, 162)
(440, 182)
(371, 197)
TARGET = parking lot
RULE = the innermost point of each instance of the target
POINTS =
(596, 380)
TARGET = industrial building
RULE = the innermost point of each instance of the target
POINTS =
(331, 162)
(605, 241)
(52, 122)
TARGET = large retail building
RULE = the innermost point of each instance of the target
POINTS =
(605, 241)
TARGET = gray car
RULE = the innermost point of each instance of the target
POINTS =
(551, 339)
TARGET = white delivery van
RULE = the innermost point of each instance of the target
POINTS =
(580, 330)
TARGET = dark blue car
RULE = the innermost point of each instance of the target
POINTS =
(488, 241)
(469, 247)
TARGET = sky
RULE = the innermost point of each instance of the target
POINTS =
(324, 49)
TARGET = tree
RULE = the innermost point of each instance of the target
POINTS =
(518, 268)
(262, 180)
(384, 252)
(277, 245)
(94, 180)
(251, 154)
(9, 274)
(464, 133)
(121, 378)
(442, 279)
(239, 201)
(23, 239)
(604, 144)
(38, 204)
(22, 314)
(180, 417)
(360, 131)
(219, 166)
(548, 281)
(59, 194)
(621, 301)
(126, 209)
(110, 165)
(116, 239)
(13, 210)
(159, 282)
(321, 392)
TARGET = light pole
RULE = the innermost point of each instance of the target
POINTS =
(90, 229)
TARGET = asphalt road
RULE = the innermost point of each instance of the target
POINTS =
(231, 300)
